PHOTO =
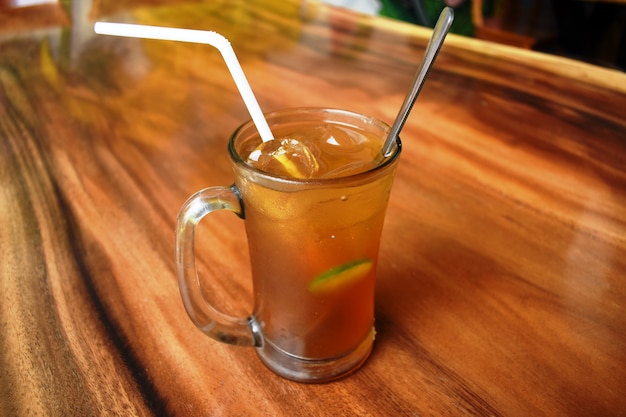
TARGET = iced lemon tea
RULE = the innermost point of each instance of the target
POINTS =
(314, 235)
(313, 201)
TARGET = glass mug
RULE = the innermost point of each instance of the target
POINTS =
(313, 247)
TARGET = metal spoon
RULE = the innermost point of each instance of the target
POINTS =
(434, 44)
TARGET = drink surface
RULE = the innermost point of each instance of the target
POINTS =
(317, 150)
(314, 247)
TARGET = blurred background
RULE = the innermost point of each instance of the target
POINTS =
(593, 31)
(590, 31)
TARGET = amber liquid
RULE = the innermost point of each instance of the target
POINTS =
(296, 232)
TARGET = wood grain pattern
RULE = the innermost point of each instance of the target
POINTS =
(501, 284)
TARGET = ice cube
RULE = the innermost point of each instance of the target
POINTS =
(345, 138)
(286, 157)
(346, 152)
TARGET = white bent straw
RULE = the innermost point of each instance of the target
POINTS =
(197, 36)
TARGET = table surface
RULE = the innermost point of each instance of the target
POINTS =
(501, 286)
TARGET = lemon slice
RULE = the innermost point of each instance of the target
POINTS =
(287, 156)
(291, 168)
(340, 276)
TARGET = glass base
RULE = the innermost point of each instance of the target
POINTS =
(315, 370)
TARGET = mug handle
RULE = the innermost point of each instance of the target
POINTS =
(214, 323)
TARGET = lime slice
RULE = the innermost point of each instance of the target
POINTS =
(340, 276)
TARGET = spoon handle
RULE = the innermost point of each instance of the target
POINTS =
(432, 49)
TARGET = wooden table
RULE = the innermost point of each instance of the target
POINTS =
(502, 278)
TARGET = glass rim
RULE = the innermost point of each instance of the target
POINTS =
(270, 116)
